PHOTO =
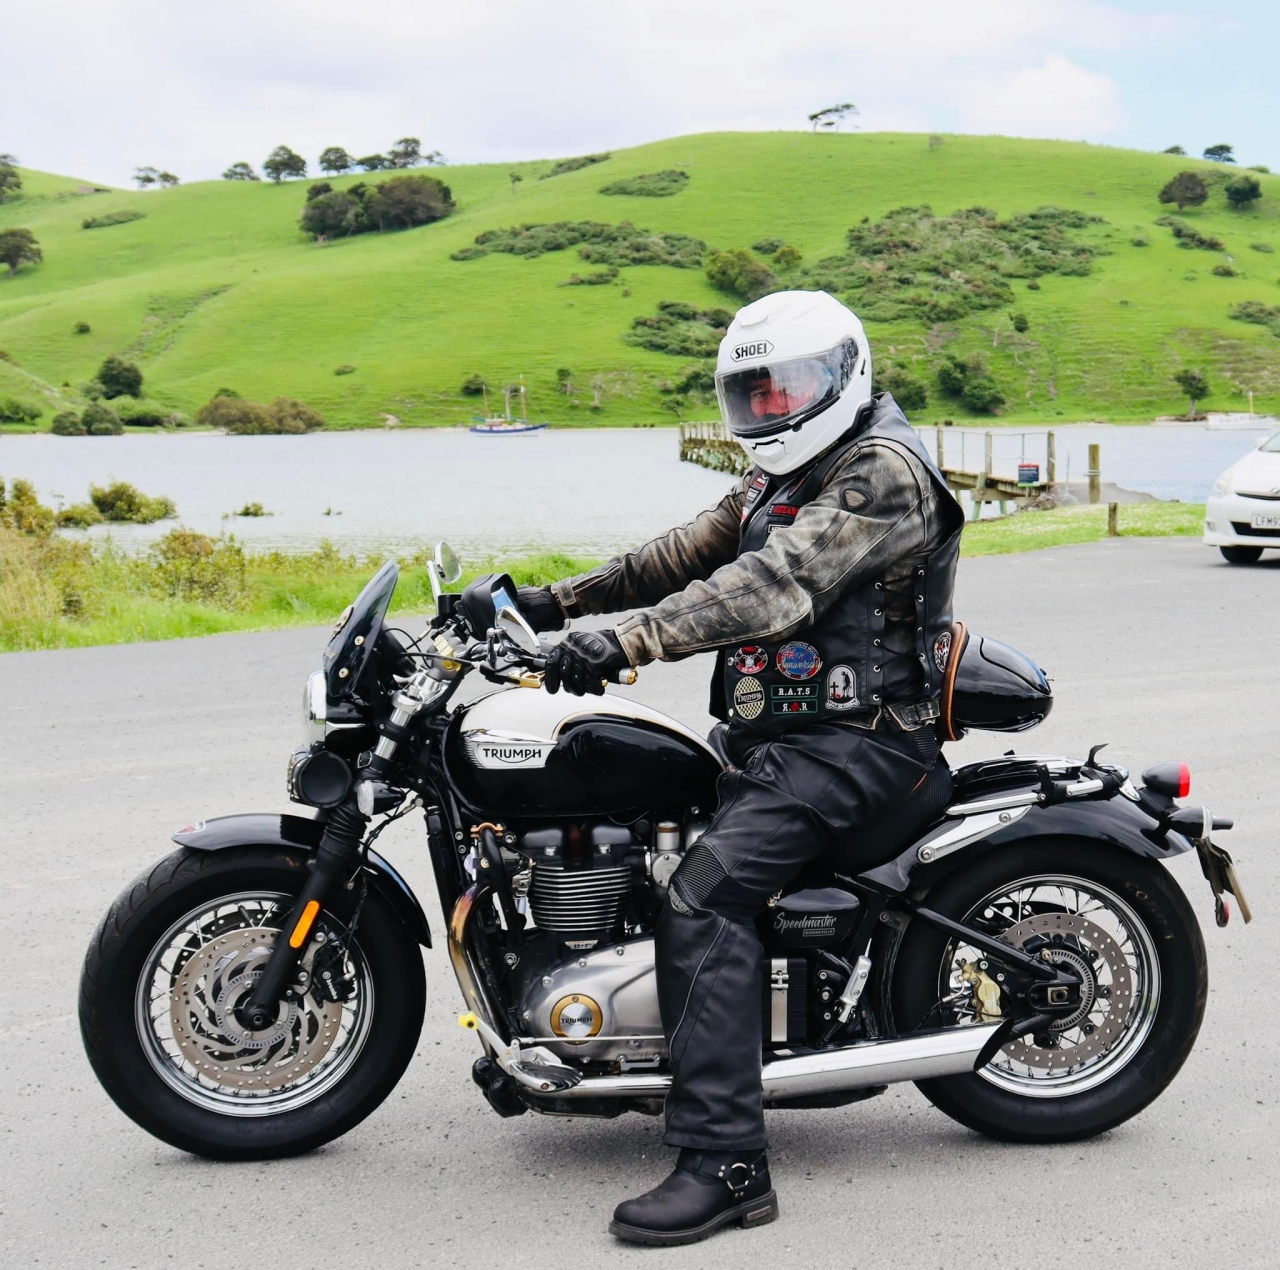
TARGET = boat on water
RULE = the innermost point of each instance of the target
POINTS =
(505, 424)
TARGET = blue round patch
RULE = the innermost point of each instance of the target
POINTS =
(799, 661)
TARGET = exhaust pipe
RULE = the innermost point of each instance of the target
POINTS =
(924, 1056)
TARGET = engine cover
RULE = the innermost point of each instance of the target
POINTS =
(610, 993)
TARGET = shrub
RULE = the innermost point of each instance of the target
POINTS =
(1263, 247)
(127, 504)
(81, 328)
(110, 218)
(333, 215)
(292, 416)
(407, 201)
(970, 381)
(317, 188)
(13, 410)
(227, 392)
(24, 512)
(119, 378)
(573, 165)
(1190, 237)
(1194, 384)
(100, 420)
(142, 414)
(10, 179)
(908, 391)
(1139, 241)
(1259, 167)
(1243, 191)
(252, 510)
(680, 329)
(597, 241)
(345, 369)
(190, 566)
(232, 415)
(1225, 271)
(79, 516)
(1187, 189)
(602, 277)
(786, 257)
(473, 386)
(1257, 313)
(767, 246)
(650, 184)
(740, 273)
(67, 424)
(1033, 285)
(1021, 323)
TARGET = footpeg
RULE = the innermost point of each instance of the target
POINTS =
(548, 1078)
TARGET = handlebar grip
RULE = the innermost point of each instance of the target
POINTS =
(626, 676)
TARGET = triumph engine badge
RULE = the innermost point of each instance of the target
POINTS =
(798, 660)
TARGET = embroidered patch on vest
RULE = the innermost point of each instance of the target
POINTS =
(798, 660)
(751, 659)
(793, 698)
(942, 650)
(748, 698)
(842, 688)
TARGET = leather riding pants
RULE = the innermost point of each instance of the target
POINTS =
(787, 801)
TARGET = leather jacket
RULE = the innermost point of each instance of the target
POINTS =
(807, 555)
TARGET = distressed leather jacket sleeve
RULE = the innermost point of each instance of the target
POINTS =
(661, 567)
(876, 513)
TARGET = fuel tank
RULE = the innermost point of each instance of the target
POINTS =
(522, 752)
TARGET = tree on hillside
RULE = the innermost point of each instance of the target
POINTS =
(144, 177)
(515, 178)
(406, 201)
(240, 172)
(1220, 153)
(333, 215)
(166, 178)
(1173, 150)
(10, 180)
(830, 116)
(19, 247)
(335, 160)
(283, 162)
(1186, 189)
(10, 159)
(406, 153)
(1243, 191)
(1195, 385)
(373, 163)
(119, 378)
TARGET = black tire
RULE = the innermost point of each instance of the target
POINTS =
(1156, 899)
(118, 954)
(1241, 555)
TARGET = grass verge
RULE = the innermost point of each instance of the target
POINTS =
(58, 594)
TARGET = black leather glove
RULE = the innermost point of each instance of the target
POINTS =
(581, 662)
(541, 609)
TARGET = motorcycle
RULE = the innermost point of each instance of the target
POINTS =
(1020, 952)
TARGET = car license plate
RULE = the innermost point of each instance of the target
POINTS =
(1266, 520)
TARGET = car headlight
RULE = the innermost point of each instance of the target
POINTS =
(1222, 486)
(315, 708)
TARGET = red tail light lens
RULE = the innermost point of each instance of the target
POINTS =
(1184, 780)
(1172, 779)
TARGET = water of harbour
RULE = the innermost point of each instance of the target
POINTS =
(588, 492)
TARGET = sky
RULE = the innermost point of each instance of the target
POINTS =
(96, 88)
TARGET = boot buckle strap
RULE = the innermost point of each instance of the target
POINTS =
(730, 1177)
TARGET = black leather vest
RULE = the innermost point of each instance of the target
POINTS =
(840, 669)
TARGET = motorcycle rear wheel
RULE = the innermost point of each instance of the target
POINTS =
(1126, 925)
(171, 960)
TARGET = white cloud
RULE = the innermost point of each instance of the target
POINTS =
(106, 86)
(1055, 99)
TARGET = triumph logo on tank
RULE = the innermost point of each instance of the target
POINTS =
(758, 348)
(502, 752)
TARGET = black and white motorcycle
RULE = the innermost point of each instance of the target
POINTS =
(1022, 955)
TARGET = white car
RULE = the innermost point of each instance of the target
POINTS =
(1243, 513)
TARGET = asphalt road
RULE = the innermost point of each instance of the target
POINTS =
(1156, 647)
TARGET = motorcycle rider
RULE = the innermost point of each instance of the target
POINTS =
(824, 581)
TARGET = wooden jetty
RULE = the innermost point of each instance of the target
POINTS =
(967, 458)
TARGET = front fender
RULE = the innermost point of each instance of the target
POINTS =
(300, 833)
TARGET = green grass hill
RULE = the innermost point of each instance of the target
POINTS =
(214, 286)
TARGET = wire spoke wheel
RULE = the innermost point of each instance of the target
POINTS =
(1086, 928)
(195, 983)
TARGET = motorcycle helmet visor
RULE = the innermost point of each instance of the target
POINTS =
(761, 400)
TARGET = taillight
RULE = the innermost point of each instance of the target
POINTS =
(1171, 779)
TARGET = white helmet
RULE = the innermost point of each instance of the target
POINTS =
(794, 370)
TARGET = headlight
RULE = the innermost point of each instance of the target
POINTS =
(1222, 486)
(315, 708)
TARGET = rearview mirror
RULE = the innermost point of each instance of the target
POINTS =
(448, 563)
(512, 625)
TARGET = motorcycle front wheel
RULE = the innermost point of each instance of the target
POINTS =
(174, 959)
(1123, 925)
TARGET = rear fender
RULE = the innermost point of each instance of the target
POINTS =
(298, 833)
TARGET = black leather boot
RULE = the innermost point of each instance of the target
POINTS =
(707, 1190)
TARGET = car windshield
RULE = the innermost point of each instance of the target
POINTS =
(1271, 445)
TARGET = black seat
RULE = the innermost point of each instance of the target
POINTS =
(892, 834)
